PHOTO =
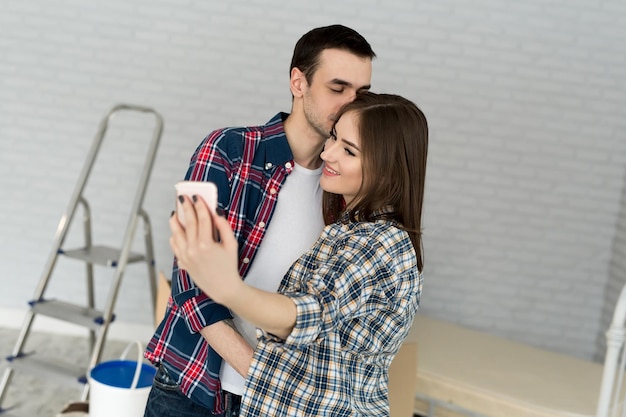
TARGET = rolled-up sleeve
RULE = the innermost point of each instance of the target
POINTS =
(308, 320)
(197, 308)
(208, 163)
(337, 290)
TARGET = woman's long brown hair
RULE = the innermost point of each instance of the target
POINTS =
(394, 145)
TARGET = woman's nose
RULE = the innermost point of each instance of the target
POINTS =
(328, 148)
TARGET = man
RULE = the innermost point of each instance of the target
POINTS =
(268, 185)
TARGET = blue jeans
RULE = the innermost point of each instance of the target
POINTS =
(166, 400)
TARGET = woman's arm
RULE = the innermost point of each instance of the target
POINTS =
(213, 267)
(272, 312)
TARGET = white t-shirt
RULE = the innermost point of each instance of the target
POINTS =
(296, 224)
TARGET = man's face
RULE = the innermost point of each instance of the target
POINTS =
(339, 76)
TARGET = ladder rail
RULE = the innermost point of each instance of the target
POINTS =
(89, 284)
(152, 275)
(4, 383)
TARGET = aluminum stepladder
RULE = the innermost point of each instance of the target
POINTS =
(97, 322)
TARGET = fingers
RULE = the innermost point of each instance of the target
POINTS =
(198, 221)
(205, 222)
(177, 252)
(178, 232)
(177, 240)
(183, 238)
(191, 221)
(225, 231)
(191, 242)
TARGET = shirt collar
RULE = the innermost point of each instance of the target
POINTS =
(376, 214)
(276, 148)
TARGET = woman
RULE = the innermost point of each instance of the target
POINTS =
(344, 308)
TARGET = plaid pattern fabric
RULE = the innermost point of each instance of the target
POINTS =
(356, 292)
(249, 166)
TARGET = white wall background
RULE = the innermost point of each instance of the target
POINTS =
(526, 103)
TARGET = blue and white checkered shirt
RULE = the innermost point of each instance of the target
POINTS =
(356, 293)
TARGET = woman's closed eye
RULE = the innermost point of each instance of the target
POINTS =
(333, 137)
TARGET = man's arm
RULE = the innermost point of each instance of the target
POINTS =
(208, 163)
(226, 340)
(213, 267)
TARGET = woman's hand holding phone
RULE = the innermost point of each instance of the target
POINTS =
(204, 243)
(205, 190)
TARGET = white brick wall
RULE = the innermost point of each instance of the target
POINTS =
(526, 108)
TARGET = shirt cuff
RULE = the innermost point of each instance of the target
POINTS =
(200, 311)
(308, 320)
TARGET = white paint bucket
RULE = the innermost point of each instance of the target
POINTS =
(120, 388)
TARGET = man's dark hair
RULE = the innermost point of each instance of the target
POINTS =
(308, 49)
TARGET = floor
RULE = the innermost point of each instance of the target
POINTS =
(31, 396)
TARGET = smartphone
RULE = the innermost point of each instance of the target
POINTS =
(203, 189)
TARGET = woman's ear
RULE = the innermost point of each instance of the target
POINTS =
(297, 82)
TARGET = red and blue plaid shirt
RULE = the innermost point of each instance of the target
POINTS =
(249, 165)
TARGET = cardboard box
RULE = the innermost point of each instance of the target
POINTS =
(403, 380)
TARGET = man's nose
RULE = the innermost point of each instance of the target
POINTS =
(348, 99)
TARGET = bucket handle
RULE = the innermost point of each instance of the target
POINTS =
(139, 346)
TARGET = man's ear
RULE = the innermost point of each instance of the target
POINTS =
(297, 82)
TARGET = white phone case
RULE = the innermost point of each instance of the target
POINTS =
(206, 190)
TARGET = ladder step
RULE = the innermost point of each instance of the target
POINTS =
(101, 255)
(47, 367)
(72, 313)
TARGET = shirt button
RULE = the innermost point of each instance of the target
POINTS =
(273, 191)
(268, 165)
(262, 224)
(246, 260)
(288, 165)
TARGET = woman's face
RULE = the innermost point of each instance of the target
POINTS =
(342, 173)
